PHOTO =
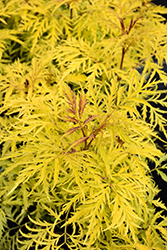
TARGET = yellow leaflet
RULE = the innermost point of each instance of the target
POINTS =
(8, 93)
(138, 100)
(39, 130)
(120, 95)
(105, 159)
(56, 171)
(3, 221)
(50, 210)
(55, 235)
(163, 231)
(6, 147)
(118, 215)
(125, 137)
(141, 247)
(112, 138)
(78, 181)
(128, 108)
(43, 173)
(38, 223)
(119, 159)
(17, 183)
(75, 78)
(25, 195)
(95, 233)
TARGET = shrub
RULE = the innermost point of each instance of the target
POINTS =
(75, 148)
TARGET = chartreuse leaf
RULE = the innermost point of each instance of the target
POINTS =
(3, 219)
(162, 174)
(141, 247)
(75, 148)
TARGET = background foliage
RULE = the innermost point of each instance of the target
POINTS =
(74, 137)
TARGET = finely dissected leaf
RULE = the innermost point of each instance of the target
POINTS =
(141, 247)
(5, 147)
(69, 119)
(56, 171)
(159, 203)
(3, 223)
(8, 93)
(71, 100)
(79, 103)
(82, 103)
(90, 118)
(71, 130)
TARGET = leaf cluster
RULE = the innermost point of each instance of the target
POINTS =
(74, 147)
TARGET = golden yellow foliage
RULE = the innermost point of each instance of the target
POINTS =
(74, 161)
